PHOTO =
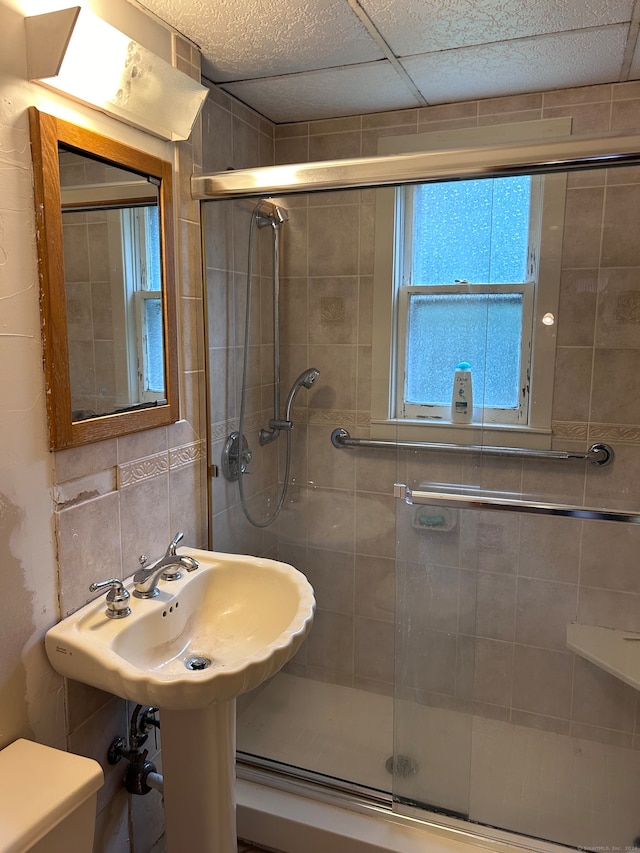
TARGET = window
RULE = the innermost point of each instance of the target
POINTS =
(464, 272)
(141, 242)
(467, 283)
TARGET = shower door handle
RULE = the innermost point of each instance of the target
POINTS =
(493, 503)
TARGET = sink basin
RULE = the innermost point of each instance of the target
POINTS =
(208, 637)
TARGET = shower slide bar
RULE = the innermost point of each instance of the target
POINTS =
(597, 454)
(491, 503)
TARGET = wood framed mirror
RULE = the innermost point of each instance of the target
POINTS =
(104, 232)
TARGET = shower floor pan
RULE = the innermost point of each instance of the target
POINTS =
(540, 784)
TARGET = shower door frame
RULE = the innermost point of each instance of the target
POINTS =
(566, 154)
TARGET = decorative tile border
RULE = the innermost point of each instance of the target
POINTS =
(130, 473)
(569, 429)
(352, 420)
(140, 470)
(628, 434)
(335, 418)
(222, 429)
(187, 454)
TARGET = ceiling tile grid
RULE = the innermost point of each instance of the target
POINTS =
(416, 26)
(350, 90)
(560, 60)
(298, 60)
(245, 39)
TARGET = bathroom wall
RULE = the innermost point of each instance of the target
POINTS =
(71, 517)
(500, 590)
(247, 140)
(79, 515)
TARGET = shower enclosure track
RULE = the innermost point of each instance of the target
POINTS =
(548, 155)
(597, 454)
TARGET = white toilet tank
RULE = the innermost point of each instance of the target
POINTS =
(47, 799)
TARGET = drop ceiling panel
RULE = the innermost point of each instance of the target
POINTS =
(579, 58)
(416, 26)
(245, 39)
(297, 60)
(343, 91)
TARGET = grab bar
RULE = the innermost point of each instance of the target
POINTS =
(496, 504)
(597, 454)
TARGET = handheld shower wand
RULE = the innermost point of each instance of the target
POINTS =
(305, 380)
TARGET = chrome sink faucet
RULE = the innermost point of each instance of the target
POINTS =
(145, 580)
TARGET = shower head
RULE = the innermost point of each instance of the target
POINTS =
(305, 380)
(280, 214)
(268, 213)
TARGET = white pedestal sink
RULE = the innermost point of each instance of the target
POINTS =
(198, 758)
(239, 618)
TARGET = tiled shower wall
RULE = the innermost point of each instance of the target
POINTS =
(88, 291)
(502, 588)
(247, 141)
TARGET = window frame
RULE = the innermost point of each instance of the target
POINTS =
(135, 226)
(140, 297)
(386, 421)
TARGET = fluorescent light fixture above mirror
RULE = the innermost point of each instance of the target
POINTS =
(81, 55)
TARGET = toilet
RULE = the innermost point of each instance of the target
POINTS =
(47, 799)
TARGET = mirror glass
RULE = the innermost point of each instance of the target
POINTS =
(113, 286)
(105, 246)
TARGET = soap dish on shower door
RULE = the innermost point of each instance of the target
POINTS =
(436, 518)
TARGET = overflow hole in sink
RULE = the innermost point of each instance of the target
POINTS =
(165, 612)
(197, 662)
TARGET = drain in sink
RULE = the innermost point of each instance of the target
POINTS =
(197, 662)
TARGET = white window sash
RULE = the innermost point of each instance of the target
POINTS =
(486, 414)
(145, 395)
(544, 268)
(135, 254)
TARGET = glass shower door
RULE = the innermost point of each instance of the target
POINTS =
(539, 738)
(434, 659)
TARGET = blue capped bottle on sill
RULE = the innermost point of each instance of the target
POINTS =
(462, 395)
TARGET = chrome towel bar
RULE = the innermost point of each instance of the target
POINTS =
(492, 503)
(597, 454)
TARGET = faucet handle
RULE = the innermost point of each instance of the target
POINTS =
(117, 597)
(171, 550)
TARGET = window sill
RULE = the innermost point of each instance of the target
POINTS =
(446, 432)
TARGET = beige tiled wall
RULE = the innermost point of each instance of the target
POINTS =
(488, 602)
(124, 497)
(87, 276)
(236, 137)
(91, 354)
